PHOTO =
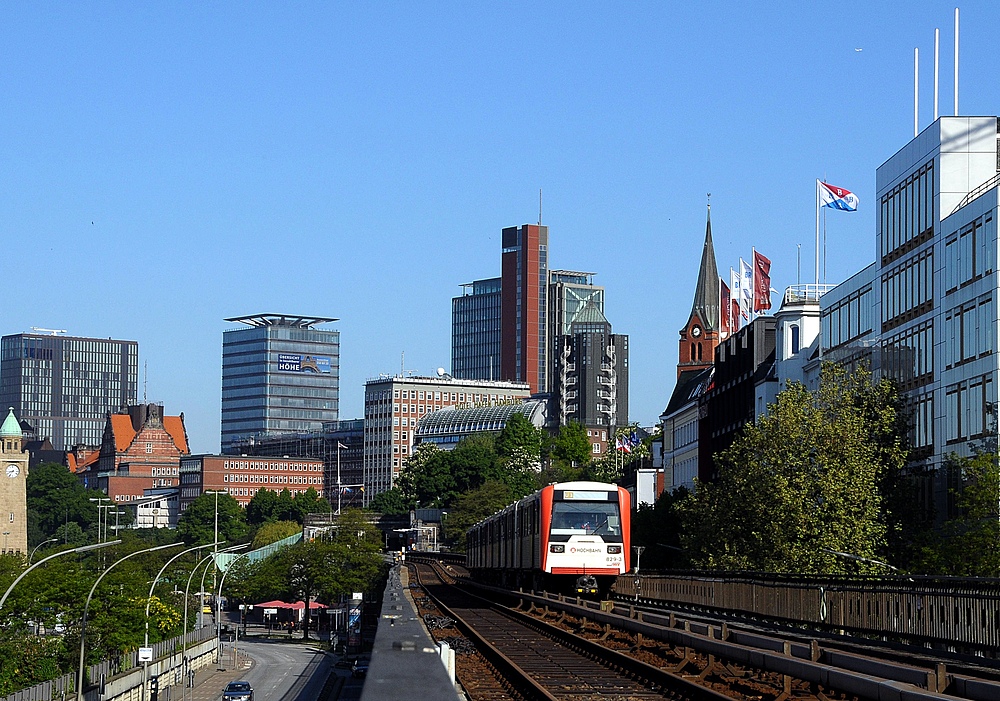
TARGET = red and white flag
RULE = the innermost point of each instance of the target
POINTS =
(725, 322)
(761, 282)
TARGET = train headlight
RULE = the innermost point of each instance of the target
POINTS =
(557, 548)
(614, 550)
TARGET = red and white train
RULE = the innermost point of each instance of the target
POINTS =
(572, 532)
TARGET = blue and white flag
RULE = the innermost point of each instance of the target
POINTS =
(837, 197)
(746, 289)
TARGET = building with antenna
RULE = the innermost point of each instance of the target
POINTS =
(394, 405)
(64, 386)
(280, 374)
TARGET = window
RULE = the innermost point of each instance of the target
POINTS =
(596, 447)
(794, 328)
(149, 447)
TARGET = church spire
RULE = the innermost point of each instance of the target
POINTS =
(706, 294)
(700, 334)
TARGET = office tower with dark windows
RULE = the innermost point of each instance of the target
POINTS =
(569, 292)
(280, 374)
(524, 305)
(64, 386)
(475, 331)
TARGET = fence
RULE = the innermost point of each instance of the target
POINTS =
(63, 687)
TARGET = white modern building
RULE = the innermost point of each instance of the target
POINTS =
(394, 404)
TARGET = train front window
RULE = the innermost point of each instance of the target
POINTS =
(571, 518)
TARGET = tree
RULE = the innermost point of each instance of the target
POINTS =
(801, 483)
(472, 507)
(274, 531)
(55, 498)
(970, 543)
(197, 524)
(391, 503)
(571, 446)
(518, 438)
(261, 508)
(657, 529)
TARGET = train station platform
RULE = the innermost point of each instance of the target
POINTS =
(406, 663)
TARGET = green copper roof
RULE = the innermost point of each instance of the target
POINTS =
(11, 427)
(589, 314)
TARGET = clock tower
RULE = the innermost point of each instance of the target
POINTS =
(700, 335)
(13, 492)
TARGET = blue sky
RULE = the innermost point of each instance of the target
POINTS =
(172, 164)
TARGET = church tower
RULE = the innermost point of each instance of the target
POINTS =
(13, 493)
(701, 333)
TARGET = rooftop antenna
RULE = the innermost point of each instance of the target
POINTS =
(937, 42)
(916, 91)
(956, 61)
(145, 379)
(539, 206)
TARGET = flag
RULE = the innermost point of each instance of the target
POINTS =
(736, 297)
(621, 443)
(746, 289)
(341, 445)
(837, 197)
(762, 282)
(735, 315)
(724, 308)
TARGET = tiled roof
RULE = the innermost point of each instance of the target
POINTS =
(90, 458)
(174, 425)
(121, 427)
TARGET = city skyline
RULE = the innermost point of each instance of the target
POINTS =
(203, 162)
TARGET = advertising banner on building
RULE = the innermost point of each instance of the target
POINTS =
(295, 362)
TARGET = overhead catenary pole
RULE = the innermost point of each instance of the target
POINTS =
(956, 61)
(817, 234)
(937, 46)
(916, 91)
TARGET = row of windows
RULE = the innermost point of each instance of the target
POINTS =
(908, 213)
(970, 330)
(908, 357)
(848, 319)
(908, 289)
(268, 465)
(969, 253)
(157, 471)
(686, 434)
(921, 411)
(967, 406)
(272, 479)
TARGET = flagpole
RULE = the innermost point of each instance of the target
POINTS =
(817, 233)
(753, 283)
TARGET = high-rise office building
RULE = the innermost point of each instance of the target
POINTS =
(524, 305)
(279, 374)
(590, 376)
(64, 386)
(475, 331)
(569, 293)
(394, 406)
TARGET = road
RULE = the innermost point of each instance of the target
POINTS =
(284, 671)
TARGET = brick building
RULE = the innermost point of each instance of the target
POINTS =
(140, 450)
(243, 476)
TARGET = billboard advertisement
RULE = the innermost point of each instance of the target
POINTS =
(295, 362)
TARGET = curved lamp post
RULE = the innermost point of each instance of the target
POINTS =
(149, 600)
(35, 549)
(86, 606)
(218, 618)
(81, 549)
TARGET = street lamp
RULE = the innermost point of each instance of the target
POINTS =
(215, 552)
(100, 538)
(86, 606)
(81, 549)
(149, 599)
(218, 618)
(50, 540)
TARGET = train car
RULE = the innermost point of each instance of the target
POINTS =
(571, 535)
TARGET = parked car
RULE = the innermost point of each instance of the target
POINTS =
(238, 691)
(360, 667)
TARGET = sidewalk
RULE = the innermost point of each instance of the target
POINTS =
(210, 680)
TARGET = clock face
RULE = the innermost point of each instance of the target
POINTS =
(696, 331)
(13, 471)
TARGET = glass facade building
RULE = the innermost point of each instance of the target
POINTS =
(64, 386)
(475, 331)
(280, 374)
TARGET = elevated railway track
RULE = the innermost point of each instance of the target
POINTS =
(747, 661)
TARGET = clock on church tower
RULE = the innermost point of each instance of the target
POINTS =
(13, 492)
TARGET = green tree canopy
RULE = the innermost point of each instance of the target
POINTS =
(197, 524)
(472, 507)
(391, 503)
(571, 445)
(801, 483)
(970, 543)
(56, 497)
(274, 531)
